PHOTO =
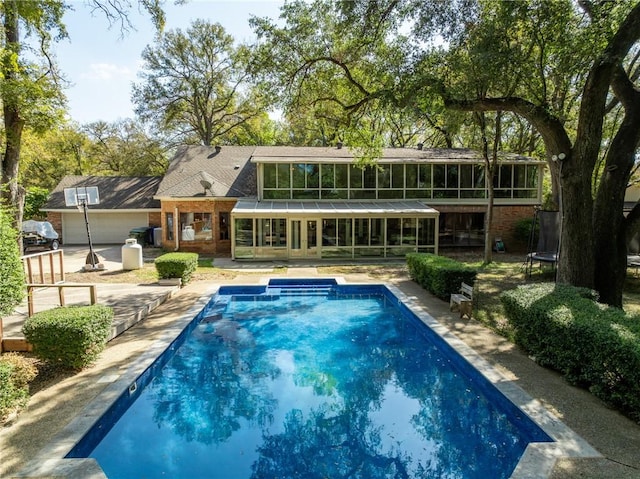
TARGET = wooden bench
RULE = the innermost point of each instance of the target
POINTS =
(463, 300)
(93, 294)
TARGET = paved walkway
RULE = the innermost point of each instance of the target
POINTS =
(52, 409)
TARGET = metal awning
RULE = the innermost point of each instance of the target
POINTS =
(333, 208)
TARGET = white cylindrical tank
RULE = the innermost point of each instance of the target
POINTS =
(131, 255)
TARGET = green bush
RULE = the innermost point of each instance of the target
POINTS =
(439, 275)
(522, 231)
(177, 265)
(11, 272)
(15, 374)
(592, 345)
(70, 337)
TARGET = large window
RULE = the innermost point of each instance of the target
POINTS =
(195, 227)
(389, 181)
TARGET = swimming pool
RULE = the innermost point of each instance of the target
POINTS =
(310, 379)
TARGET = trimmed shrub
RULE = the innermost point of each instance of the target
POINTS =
(177, 265)
(593, 345)
(439, 275)
(11, 272)
(70, 337)
(15, 374)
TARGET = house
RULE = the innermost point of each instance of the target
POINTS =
(273, 202)
(312, 202)
(125, 203)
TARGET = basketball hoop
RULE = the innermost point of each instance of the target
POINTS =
(81, 197)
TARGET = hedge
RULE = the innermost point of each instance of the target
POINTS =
(15, 374)
(176, 265)
(593, 345)
(11, 272)
(439, 275)
(70, 337)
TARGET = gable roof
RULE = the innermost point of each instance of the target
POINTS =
(116, 192)
(227, 169)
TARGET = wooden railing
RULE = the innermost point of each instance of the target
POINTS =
(93, 294)
(36, 271)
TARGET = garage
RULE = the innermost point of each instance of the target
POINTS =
(106, 228)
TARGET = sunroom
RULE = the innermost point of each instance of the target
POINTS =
(336, 229)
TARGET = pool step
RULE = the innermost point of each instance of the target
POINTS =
(295, 290)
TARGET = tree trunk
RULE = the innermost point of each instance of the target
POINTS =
(609, 224)
(12, 193)
(576, 248)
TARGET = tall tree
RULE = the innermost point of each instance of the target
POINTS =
(123, 148)
(30, 89)
(30, 84)
(194, 85)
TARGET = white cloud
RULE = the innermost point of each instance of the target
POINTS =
(107, 71)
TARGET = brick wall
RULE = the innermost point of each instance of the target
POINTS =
(155, 219)
(504, 219)
(55, 219)
(215, 246)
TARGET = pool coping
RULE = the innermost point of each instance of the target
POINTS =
(536, 462)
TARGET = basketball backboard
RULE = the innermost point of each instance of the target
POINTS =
(81, 195)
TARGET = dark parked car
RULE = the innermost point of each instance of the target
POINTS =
(39, 234)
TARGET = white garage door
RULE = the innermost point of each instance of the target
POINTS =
(106, 228)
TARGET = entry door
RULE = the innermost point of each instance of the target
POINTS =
(304, 238)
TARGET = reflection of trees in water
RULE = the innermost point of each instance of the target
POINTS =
(214, 387)
(207, 391)
(329, 443)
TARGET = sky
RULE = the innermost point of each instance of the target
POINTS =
(101, 64)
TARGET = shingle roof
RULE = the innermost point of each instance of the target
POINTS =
(116, 192)
(227, 169)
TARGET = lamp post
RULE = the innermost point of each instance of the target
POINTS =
(559, 160)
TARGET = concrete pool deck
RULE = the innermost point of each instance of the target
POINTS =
(51, 410)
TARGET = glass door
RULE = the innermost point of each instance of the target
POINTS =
(304, 238)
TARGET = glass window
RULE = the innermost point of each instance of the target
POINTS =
(169, 232)
(426, 231)
(313, 176)
(270, 175)
(424, 176)
(409, 231)
(223, 220)
(452, 176)
(439, 176)
(377, 231)
(519, 176)
(370, 177)
(412, 176)
(284, 175)
(384, 176)
(195, 226)
(329, 232)
(361, 231)
(244, 231)
(505, 176)
(342, 176)
(271, 232)
(298, 174)
(532, 176)
(344, 232)
(397, 176)
(478, 176)
(328, 179)
(466, 176)
(394, 231)
(355, 174)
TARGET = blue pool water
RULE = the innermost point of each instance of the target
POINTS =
(319, 382)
